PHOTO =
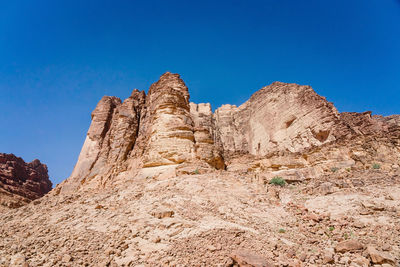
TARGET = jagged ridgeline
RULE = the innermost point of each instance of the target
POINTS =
(163, 128)
(21, 182)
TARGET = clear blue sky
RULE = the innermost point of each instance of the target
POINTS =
(58, 58)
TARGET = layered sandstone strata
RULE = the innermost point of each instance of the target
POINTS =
(170, 137)
(163, 129)
(204, 135)
(145, 131)
(21, 182)
(111, 137)
(278, 117)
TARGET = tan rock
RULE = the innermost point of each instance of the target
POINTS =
(328, 256)
(360, 261)
(18, 260)
(379, 257)
(245, 258)
(170, 137)
(269, 122)
(110, 139)
(348, 245)
(282, 130)
(204, 135)
(66, 258)
(163, 214)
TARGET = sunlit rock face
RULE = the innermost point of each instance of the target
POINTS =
(110, 139)
(162, 128)
(205, 146)
(278, 117)
(170, 126)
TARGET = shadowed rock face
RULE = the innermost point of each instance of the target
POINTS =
(21, 182)
(165, 129)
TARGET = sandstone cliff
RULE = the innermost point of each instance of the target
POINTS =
(276, 118)
(21, 182)
(183, 186)
(147, 133)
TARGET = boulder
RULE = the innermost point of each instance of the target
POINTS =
(379, 257)
(348, 245)
(245, 258)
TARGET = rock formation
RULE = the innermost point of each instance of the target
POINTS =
(21, 182)
(168, 126)
(147, 133)
(204, 135)
(278, 117)
(110, 138)
(162, 128)
(161, 181)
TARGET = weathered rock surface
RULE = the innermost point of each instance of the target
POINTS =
(213, 219)
(348, 245)
(170, 136)
(379, 257)
(21, 182)
(364, 123)
(183, 186)
(284, 124)
(249, 259)
(110, 139)
(204, 135)
(279, 117)
(393, 119)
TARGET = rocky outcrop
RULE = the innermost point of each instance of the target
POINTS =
(364, 123)
(166, 204)
(393, 120)
(21, 182)
(146, 133)
(168, 124)
(110, 139)
(159, 129)
(279, 117)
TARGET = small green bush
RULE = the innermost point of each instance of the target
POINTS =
(196, 171)
(281, 231)
(376, 166)
(277, 181)
(331, 228)
(334, 169)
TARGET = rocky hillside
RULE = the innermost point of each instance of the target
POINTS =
(282, 180)
(21, 182)
(224, 218)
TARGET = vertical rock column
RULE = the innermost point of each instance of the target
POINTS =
(168, 124)
(206, 149)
